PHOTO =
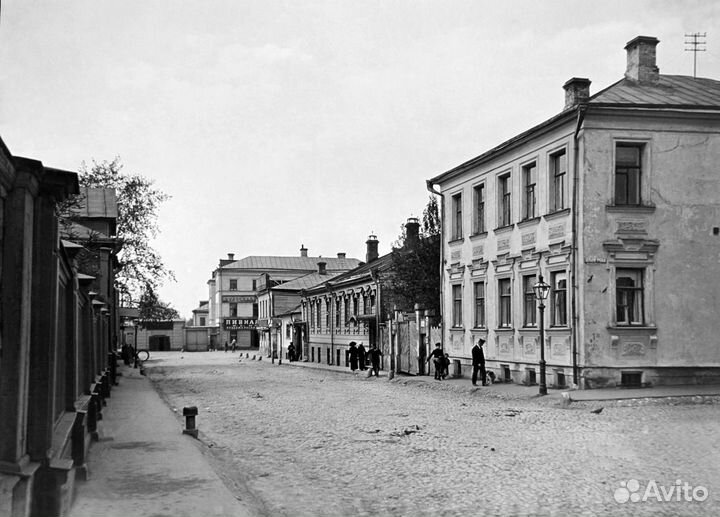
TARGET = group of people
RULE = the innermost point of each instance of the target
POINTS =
(358, 357)
(233, 345)
(442, 362)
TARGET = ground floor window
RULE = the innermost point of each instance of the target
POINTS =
(558, 299)
(505, 302)
(629, 296)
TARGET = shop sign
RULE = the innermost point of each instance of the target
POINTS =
(239, 323)
(238, 299)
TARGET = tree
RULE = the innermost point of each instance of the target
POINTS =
(151, 308)
(415, 271)
(141, 270)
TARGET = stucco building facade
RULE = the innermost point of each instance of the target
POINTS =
(615, 201)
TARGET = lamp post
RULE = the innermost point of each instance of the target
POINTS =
(541, 293)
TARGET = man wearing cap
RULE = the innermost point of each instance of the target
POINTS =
(478, 363)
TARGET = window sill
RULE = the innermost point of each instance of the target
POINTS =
(632, 209)
(505, 329)
(528, 222)
(558, 214)
(641, 328)
(479, 329)
(529, 329)
(504, 229)
(457, 329)
(480, 235)
(456, 241)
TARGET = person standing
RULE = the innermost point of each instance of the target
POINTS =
(353, 353)
(233, 345)
(438, 361)
(291, 352)
(478, 362)
(361, 356)
(226, 346)
(375, 355)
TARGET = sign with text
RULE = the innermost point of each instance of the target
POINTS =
(238, 299)
(239, 323)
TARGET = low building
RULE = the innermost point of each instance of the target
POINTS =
(615, 203)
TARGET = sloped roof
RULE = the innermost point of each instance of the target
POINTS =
(305, 282)
(362, 272)
(267, 263)
(669, 91)
(98, 203)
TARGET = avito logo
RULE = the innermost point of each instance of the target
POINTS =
(679, 491)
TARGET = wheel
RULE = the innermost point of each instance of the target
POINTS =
(143, 355)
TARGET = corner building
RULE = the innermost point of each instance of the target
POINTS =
(615, 201)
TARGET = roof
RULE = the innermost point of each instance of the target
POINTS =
(670, 91)
(203, 307)
(305, 282)
(98, 203)
(362, 272)
(267, 263)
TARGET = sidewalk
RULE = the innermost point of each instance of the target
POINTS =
(143, 466)
(520, 391)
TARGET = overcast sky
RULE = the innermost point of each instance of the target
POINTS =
(275, 124)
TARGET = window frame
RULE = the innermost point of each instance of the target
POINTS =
(629, 172)
(529, 192)
(505, 303)
(530, 306)
(555, 304)
(456, 230)
(457, 302)
(636, 304)
(479, 204)
(479, 304)
(553, 175)
(504, 199)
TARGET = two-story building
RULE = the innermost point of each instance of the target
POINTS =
(615, 202)
(233, 308)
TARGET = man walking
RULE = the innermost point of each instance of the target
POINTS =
(478, 363)
(375, 355)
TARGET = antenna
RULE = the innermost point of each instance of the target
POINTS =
(696, 42)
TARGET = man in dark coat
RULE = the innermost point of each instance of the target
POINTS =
(375, 355)
(478, 363)
(353, 353)
(361, 356)
(438, 361)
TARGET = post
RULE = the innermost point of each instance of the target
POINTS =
(543, 386)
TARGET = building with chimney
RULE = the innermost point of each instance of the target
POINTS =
(233, 305)
(615, 203)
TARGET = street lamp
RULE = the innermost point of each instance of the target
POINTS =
(541, 293)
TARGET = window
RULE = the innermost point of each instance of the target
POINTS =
(457, 305)
(337, 312)
(529, 182)
(318, 315)
(354, 306)
(479, 304)
(233, 284)
(629, 292)
(504, 194)
(529, 303)
(456, 221)
(233, 309)
(327, 314)
(558, 175)
(505, 302)
(558, 300)
(628, 169)
(254, 285)
(344, 311)
(479, 216)
(202, 321)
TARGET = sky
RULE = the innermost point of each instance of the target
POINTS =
(276, 124)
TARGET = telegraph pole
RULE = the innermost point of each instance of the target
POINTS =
(695, 42)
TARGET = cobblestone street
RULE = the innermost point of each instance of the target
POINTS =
(301, 441)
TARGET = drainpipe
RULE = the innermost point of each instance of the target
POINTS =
(378, 306)
(331, 317)
(429, 186)
(573, 264)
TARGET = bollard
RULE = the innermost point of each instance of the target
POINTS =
(190, 428)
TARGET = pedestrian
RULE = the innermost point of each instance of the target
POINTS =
(446, 365)
(361, 356)
(233, 344)
(291, 352)
(353, 353)
(438, 361)
(478, 363)
(375, 355)
(226, 346)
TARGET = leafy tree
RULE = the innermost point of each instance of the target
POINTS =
(151, 308)
(141, 270)
(415, 270)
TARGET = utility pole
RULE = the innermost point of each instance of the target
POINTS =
(695, 43)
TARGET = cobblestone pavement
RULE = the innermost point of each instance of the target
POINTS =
(299, 441)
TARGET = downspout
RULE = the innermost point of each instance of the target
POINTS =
(331, 317)
(378, 305)
(429, 185)
(573, 263)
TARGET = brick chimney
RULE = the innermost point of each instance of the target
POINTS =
(321, 268)
(341, 255)
(412, 232)
(231, 256)
(372, 248)
(641, 56)
(577, 91)
(303, 250)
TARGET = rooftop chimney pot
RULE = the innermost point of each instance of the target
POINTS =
(321, 268)
(303, 251)
(412, 232)
(341, 255)
(231, 256)
(372, 248)
(641, 60)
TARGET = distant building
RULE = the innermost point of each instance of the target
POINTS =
(233, 309)
(615, 201)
